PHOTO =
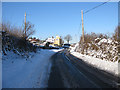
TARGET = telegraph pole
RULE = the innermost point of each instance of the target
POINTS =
(82, 33)
(82, 27)
(25, 25)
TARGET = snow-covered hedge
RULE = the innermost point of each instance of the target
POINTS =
(16, 44)
(102, 53)
(102, 48)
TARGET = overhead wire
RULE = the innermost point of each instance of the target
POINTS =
(90, 10)
(96, 7)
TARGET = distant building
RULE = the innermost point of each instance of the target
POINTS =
(34, 41)
(57, 41)
(50, 40)
(54, 41)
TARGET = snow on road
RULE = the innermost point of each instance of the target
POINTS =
(106, 65)
(34, 72)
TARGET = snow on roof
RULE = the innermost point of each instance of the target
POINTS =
(50, 40)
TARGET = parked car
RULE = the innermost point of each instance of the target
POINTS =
(66, 46)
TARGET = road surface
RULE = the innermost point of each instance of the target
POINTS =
(70, 72)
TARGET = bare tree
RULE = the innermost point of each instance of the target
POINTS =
(12, 30)
(29, 30)
(61, 40)
(116, 35)
(68, 38)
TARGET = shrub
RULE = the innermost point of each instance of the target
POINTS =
(116, 35)
(100, 46)
(13, 39)
(94, 47)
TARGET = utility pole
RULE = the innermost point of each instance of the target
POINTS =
(25, 36)
(82, 26)
(25, 25)
(82, 33)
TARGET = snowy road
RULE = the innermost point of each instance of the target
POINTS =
(69, 72)
(41, 70)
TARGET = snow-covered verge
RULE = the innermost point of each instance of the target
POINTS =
(109, 66)
(100, 48)
(101, 53)
(29, 72)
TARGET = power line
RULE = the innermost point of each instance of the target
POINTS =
(90, 10)
(96, 7)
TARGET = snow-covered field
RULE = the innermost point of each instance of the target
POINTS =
(33, 72)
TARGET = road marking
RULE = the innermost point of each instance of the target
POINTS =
(81, 72)
(67, 58)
